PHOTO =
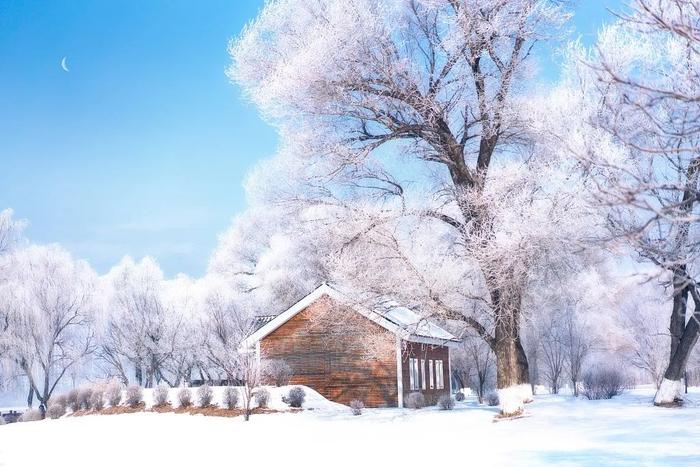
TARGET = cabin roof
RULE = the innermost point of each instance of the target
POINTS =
(393, 317)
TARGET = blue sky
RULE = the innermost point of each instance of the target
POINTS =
(142, 147)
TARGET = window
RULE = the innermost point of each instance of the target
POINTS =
(439, 375)
(413, 373)
(422, 371)
(430, 370)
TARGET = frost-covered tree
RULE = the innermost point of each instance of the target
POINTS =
(225, 322)
(474, 364)
(642, 153)
(10, 230)
(647, 329)
(552, 351)
(377, 94)
(269, 259)
(140, 331)
(50, 298)
(10, 233)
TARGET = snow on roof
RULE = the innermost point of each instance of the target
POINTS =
(407, 319)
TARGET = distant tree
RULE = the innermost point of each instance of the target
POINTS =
(140, 331)
(10, 233)
(552, 352)
(51, 315)
(648, 332)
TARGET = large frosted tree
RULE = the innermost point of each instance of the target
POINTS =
(376, 94)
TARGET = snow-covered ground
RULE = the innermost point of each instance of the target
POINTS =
(558, 430)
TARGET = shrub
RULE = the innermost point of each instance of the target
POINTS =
(31, 415)
(230, 397)
(356, 407)
(459, 396)
(59, 400)
(55, 411)
(184, 397)
(97, 400)
(85, 398)
(603, 383)
(160, 395)
(296, 397)
(492, 398)
(205, 395)
(73, 400)
(134, 396)
(416, 400)
(262, 397)
(278, 372)
(2, 420)
(446, 402)
(114, 393)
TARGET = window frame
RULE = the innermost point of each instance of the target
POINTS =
(431, 374)
(439, 374)
(413, 374)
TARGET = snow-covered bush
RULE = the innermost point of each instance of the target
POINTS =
(446, 402)
(492, 398)
(113, 392)
(277, 372)
(262, 397)
(31, 415)
(160, 395)
(296, 397)
(416, 400)
(97, 400)
(230, 398)
(603, 383)
(73, 400)
(205, 395)
(184, 397)
(2, 420)
(61, 400)
(134, 396)
(85, 398)
(459, 396)
(356, 407)
(55, 411)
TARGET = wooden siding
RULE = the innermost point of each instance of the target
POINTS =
(424, 352)
(327, 348)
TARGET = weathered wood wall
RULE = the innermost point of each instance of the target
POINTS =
(339, 353)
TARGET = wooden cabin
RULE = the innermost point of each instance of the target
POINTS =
(346, 351)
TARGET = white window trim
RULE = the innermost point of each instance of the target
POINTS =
(422, 370)
(439, 374)
(432, 374)
(413, 373)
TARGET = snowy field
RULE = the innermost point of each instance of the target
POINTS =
(558, 430)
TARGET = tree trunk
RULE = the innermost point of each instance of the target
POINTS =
(680, 306)
(512, 371)
(30, 397)
(512, 375)
(511, 363)
(138, 374)
(670, 391)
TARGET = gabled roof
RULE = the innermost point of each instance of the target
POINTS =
(399, 320)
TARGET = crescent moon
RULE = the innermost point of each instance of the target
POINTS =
(63, 64)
